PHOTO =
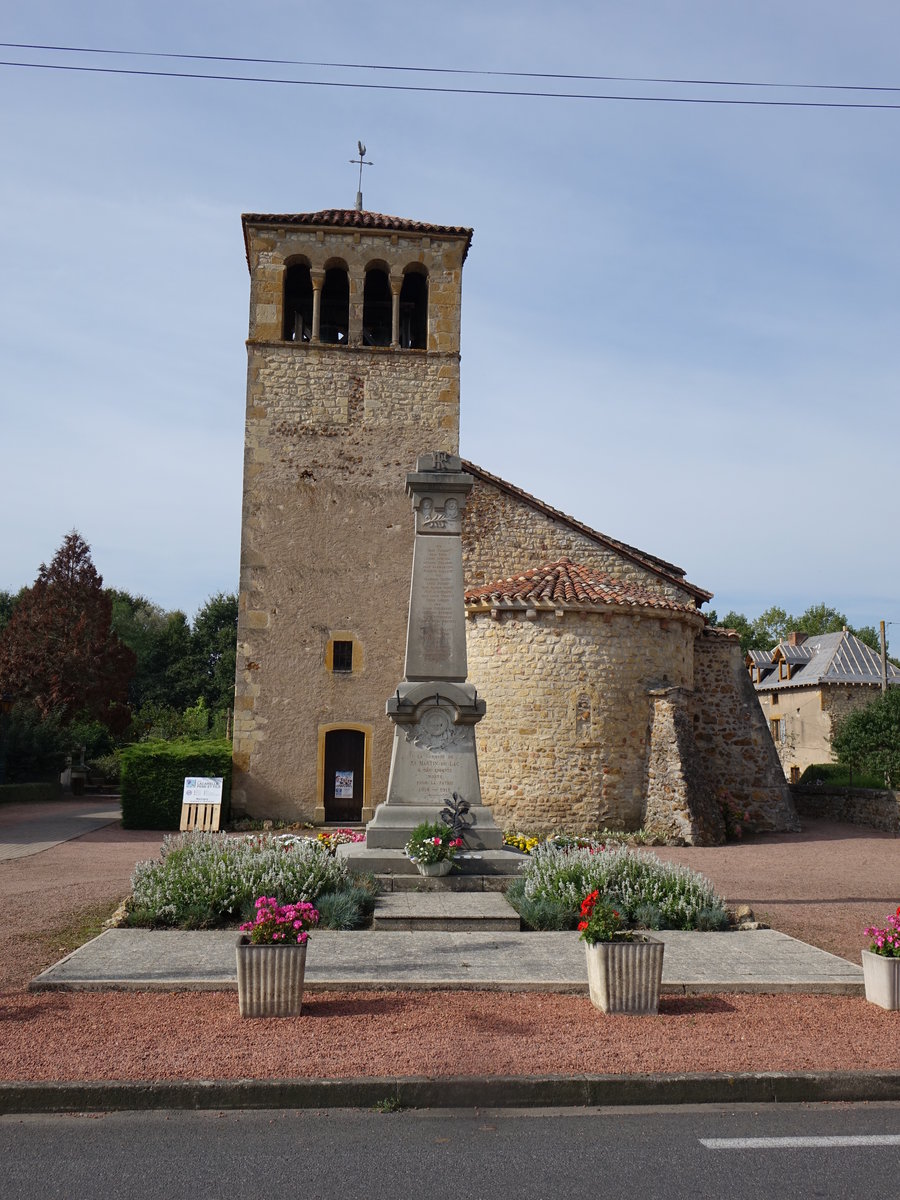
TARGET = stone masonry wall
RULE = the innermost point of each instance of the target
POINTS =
(680, 803)
(565, 740)
(732, 736)
(327, 534)
(503, 536)
(858, 806)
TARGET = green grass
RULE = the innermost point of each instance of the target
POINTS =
(80, 926)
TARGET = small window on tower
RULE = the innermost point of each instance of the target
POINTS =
(342, 656)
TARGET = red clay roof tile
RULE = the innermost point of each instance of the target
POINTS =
(567, 583)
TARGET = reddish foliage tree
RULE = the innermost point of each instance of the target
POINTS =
(59, 651)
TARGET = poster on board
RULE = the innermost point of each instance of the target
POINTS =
(202, 791)
(343, 785)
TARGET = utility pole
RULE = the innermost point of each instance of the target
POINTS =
(883, 659)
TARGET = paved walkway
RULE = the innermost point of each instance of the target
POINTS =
(758, 961)
(27, 829)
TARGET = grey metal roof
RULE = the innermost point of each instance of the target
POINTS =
(831, 658)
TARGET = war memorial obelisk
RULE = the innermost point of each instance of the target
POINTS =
(434, 709)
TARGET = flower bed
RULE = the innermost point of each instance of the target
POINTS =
(647, 892)
(203, 880)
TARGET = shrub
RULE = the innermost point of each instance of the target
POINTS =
(839, 775)
(540, 913)
(153, 775)
(628, 879)
(207, 879)
(25, 793)
(868, 739)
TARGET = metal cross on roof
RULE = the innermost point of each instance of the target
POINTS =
(362, 163)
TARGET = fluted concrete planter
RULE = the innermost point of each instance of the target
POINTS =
(444, 867)
(270, 979)
(625, 977)
(882, 979)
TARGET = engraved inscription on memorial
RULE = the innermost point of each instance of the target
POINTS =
(436, 594)
(433, 774)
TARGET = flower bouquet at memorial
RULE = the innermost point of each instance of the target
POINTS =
(271, 958)
(881, 963)
(624, 965)
(433, 848)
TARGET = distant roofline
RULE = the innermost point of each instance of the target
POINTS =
(656, 566)
(350, 218)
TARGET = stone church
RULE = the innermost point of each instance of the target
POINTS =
(610, 700)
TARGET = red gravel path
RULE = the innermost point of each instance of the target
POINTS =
(822, 885)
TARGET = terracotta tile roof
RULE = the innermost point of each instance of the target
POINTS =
(349, 218)
(568, 584)
(658, 566)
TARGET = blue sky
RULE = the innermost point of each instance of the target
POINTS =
(679, 321)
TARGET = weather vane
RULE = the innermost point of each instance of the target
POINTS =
(362, 163)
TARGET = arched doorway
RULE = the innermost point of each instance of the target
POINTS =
(343, 788)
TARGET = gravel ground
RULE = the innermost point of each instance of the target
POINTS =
(822, 885)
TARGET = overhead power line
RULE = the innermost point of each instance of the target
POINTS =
(299, 62)
(461, 91)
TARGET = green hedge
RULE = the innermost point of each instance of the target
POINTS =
(153, 775)
(839, 775)
(20, 793)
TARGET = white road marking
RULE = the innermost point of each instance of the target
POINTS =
(801, 1143)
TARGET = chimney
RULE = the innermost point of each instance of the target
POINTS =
(797, 638)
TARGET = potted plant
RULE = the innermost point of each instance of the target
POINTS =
(433, 848)
(624, 965)
(271, 958)
(881, 963)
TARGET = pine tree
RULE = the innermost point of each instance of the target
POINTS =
(58, 649)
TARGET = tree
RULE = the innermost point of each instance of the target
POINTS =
(819, 618)
(58, 649)
(771, 626)
(749, 637)
(214, 650)
(165, 672)
(8, 601)
(869, 738)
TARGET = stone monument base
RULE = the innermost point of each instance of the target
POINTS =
(392, 824)
(478, 865)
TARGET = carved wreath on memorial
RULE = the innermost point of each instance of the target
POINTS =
(435, 731)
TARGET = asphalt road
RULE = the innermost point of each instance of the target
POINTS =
(851, 1152)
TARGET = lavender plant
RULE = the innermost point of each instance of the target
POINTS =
(204, 879)
(626, 878)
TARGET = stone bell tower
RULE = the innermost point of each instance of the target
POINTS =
(353, 369)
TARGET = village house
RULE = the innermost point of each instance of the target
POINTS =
(806, 684)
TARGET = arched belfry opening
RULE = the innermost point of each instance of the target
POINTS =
(377, 308)
(298, 303)
(335, 320)
(414, 311)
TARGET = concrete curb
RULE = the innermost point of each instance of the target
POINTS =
(527, 1091)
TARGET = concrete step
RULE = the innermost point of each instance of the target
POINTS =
(445, 912)
(447, 883)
